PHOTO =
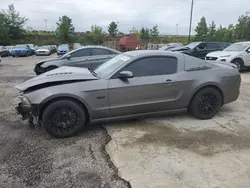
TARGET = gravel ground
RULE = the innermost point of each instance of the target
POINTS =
(31, 158)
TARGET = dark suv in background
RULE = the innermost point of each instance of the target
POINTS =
(201, 49)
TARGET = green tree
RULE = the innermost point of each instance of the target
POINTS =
(14, 22)
(135, 31)
(212, 31)
(242, 28)
(96, 34)
(201, 29)
(144, 34)
(4, 30)
(113, 28)
(154, 31)
(64, 28)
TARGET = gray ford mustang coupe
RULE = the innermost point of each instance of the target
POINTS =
(132, 84)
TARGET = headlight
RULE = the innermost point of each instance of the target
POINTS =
(225, 56)
(25, 101)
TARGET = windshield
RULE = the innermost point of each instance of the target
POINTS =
(192, 45)
(21, 46)
(111, 65)
(237, 47)
(43, 47)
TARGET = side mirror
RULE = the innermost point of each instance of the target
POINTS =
(125, 75)
(68, 57)
(248, 50)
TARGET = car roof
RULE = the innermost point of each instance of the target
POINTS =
(212, 42)
(143, 53)
(245, 42)
(92, 46)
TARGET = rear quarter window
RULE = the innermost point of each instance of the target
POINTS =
(193, 62)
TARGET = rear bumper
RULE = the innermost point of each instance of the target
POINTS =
(231, 88)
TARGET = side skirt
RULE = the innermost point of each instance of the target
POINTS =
(143, 115)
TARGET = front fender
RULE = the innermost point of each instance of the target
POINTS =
(65, 95)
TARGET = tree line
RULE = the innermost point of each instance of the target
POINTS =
(12, 31)
(232, 33)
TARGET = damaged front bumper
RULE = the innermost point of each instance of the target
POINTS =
(29, 113)
(24, 111)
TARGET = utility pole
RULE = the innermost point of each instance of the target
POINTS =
(45, 24)
(177, 29)
(190, 25)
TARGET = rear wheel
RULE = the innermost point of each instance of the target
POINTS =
(239, 64)
(63, 118)
(206, 103)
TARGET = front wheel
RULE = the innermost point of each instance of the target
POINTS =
(239, 64)
(63, 118)
(206, 103)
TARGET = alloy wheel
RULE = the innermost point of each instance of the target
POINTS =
(64, 120)
(208, 103)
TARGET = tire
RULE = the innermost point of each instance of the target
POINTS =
(63, 118)
(50, 68)
(239, 63)
(205, 103)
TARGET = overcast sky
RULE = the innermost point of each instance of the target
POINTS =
(165, 13)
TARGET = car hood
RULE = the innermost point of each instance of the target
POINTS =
(50, 59)
(57, 76)
(223, 53)
(183, 48)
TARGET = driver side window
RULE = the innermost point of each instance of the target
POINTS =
(201, 47)
(153, 66)
(81, 53)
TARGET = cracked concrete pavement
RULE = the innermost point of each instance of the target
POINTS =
(31, 158)
(181, 151)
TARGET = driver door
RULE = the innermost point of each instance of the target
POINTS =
(153, 88)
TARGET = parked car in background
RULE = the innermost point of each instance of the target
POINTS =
(132, 84)
(62, 49)
(170, 46)
(76, 45)
(21, 50)
(52, 48)
(4, 52)
(238, 54)
(201, 49)
(87, 56)
(33, 48)
(9, 48)
(43, 50)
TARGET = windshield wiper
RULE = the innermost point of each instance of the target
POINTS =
(92, 72)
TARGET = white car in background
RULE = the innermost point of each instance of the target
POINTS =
(43, 50)
(237, 53)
